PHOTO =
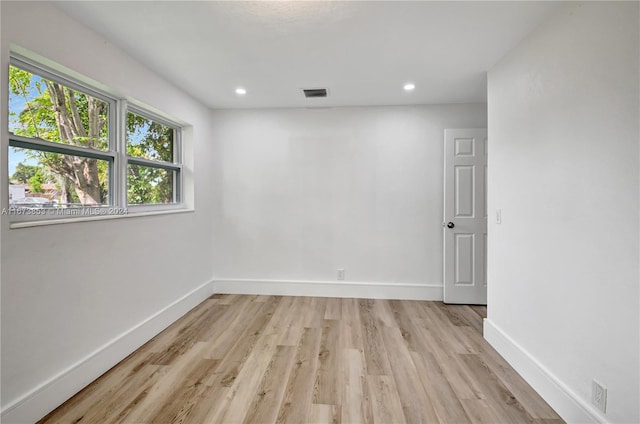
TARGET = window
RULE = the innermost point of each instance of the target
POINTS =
(69, 150)
(151, 171)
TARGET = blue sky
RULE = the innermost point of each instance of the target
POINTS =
(15, 157)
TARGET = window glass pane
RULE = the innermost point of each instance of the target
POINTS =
(56, 180)
(149, 139)
(41, 108)
(148, 185)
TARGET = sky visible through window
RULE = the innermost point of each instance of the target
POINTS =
(16, 105)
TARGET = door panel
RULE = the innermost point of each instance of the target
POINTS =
(464, 191)
(464, 147)
(465, 210)
(463, 263)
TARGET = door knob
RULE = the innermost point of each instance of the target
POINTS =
(450, 224)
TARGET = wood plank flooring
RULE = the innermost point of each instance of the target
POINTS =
(268, 359)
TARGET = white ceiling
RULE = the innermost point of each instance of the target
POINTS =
(363, 52)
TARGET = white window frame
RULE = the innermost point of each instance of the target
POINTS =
(175, 165)
(115, 156)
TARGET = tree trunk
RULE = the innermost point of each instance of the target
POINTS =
(88, 184)
(82, 172)
(67, 188)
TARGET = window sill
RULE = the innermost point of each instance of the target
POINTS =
(28, 224)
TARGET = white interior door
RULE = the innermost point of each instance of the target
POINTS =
(465, 216)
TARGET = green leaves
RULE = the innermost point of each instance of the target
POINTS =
(19, 80)
(149, 140)
(23, 173)
(36, 182)
(148, 185)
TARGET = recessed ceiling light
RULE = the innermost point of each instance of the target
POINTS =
(241, 91)
(409, 86)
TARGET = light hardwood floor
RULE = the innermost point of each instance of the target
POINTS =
(266, 359)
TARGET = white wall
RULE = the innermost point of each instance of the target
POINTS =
(69, 290)
(563, 271)
(308, 191)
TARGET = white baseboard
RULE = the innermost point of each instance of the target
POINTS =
(329, 289)
(43, 399)
(557, 394)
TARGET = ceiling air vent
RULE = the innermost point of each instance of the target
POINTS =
(314, 92)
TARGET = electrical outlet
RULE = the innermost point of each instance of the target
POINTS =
(599, 396)
(341, 274)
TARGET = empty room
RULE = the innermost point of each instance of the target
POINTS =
(320, 212)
